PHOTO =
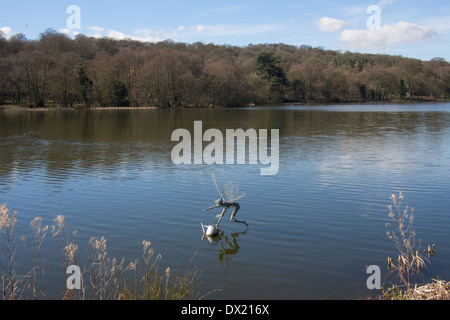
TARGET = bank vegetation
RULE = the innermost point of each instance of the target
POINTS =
(411, 261)
(58, 71)
(99, 276)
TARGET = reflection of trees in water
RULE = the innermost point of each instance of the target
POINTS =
(99, 140)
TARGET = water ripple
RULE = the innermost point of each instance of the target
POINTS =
(313, 226)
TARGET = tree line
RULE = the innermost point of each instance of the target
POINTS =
(56, 70)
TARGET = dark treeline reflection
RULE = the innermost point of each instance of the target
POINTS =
(96, 139)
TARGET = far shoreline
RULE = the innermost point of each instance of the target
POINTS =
(308, 103)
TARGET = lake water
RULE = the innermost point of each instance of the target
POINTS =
(313, 227)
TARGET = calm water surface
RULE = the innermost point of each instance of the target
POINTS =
(313, 227)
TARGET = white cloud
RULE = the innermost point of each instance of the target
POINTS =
(148, 35)
(386, 36)
(226, 30)
(70, 32)
(182, 33)
(116, 35)
(6, 31)
(330, 24)
(95, 31)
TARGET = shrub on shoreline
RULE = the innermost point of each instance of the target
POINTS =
(410, 261)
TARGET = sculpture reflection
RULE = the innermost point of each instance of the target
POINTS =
(228, 247)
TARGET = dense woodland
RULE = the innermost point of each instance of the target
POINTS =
(56, 70)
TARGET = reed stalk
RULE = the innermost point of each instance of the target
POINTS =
(107, 278)
(7, 231)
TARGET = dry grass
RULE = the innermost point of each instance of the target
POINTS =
(102, 278)
(144, 281)
(410, 261)
(10, 279)
(436, 290)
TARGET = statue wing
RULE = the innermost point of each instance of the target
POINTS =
(215, 183)
(231, 191)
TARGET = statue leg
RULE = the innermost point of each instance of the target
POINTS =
(235, 211)
(221, 216)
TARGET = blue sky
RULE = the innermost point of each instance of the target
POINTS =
(418, 29)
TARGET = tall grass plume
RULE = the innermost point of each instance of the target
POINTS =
(410, 261)
(102, 277)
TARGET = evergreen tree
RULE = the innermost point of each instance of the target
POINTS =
(267, 67)
(120, 92)
(402, 90)
(85, 86)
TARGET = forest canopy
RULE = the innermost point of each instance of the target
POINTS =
(56, 70)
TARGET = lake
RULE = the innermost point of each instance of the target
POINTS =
(314, 227)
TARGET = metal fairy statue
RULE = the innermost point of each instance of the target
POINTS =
(227, 200)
